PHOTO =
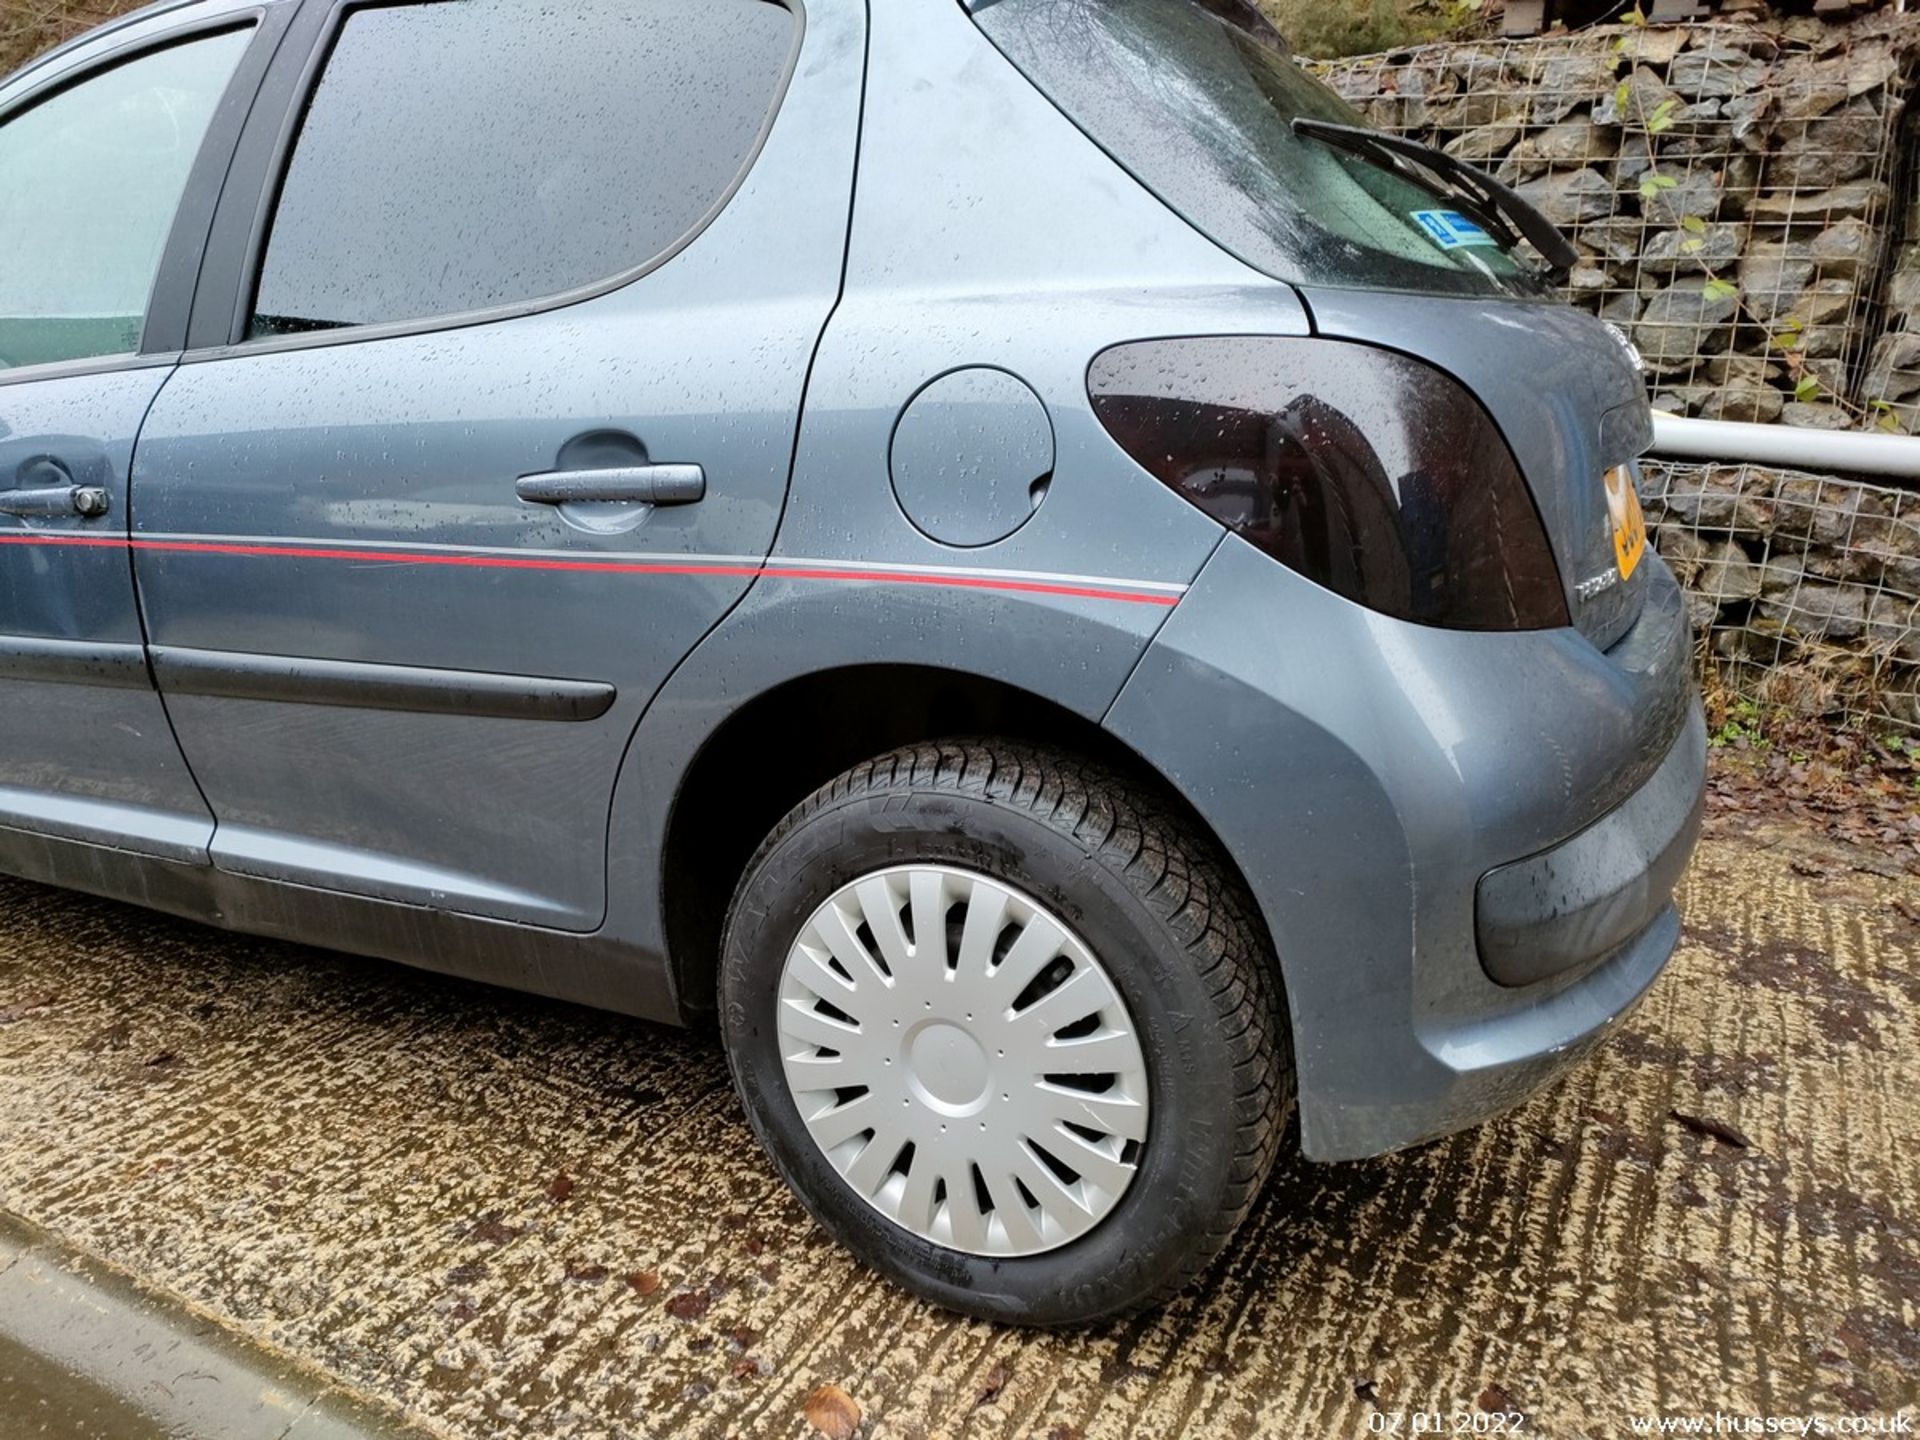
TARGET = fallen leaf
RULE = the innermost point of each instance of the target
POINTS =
(833, 1412)
(1713, 1129)
(689, 1305)
(1495, 1400)
(560, 1188)
(991, 1387)
(643, 1282)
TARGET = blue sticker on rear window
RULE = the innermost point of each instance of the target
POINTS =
(1451, 230)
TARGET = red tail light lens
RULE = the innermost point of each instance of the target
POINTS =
(1367, 472)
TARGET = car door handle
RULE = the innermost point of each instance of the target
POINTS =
(89, 501)
(637, 484)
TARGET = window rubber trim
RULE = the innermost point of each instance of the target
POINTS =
(236, 252)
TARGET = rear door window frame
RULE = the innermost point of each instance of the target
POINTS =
(236, 251)
(163, 335)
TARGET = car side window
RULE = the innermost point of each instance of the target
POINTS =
(462, 155)
(90, 179)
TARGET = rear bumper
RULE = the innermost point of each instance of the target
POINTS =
(1568, 908)
(1464, 845)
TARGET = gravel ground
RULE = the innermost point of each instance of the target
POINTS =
(504, 1216)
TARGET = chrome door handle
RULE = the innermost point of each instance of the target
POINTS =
(637, 484)
(87, 501)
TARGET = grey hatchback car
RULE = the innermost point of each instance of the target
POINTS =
(1071, 598)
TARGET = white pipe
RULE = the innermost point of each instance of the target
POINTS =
(1793, 447)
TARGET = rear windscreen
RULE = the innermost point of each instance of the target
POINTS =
(1199, 107)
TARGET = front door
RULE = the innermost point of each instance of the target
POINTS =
(93, 168)
(503, 428)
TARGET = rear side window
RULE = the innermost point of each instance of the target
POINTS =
(89, 183)
(467, 154)
(1197, 99)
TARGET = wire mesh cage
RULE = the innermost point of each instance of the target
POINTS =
(1804, 589)
(1732, 195)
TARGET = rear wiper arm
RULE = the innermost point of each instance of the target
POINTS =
(1484, 199)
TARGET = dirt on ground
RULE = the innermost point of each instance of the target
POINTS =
(510, 1217)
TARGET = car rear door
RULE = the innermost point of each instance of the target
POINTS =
(487, 420)
(110, 159)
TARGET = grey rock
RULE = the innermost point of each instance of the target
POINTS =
(1571, 199)
(1772, 277)
(1893, 371)
(1893, 626)
(1814, 415)
(1680, 252)
(1727, 576)
(1844, 146)
(1563, 83)
(1683, 321)
(1757, 404)
(1832, 613)
(1840, 250)
(1485, 142)
(1638, 99)
(1736, 499)
(1697, 195)
(1864, 199)
(1715, 70)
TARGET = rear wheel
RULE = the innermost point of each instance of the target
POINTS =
(1009, 1029)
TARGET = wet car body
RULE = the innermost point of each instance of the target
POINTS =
(362, 692)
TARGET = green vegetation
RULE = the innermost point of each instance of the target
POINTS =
(1329, 29)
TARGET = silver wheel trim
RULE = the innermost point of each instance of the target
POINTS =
(946, 1039)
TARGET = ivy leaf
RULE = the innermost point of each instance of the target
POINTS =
(1807, 391)
(1693, 246)
(1652, 184)
(1718, 289)
(1694, 225)
(1662, 118)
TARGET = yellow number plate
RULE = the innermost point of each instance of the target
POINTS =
(1629, 524)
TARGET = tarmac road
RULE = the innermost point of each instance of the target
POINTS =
(500, 1216)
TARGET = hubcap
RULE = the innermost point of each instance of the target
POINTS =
(963, 1060)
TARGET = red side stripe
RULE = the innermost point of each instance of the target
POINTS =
(852, 575)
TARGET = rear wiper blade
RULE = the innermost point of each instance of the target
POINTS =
(1484, 199)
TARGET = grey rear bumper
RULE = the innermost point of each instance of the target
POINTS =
(1570, 907)
(1368, 775)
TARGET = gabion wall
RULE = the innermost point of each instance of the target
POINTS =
(1806, 590)
(1732, 192)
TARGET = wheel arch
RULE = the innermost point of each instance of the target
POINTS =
(820, 724)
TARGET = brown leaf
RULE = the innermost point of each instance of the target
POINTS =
(833, 1412)
(1713, 1130)
(744, 1337)
(643, 1282)
(991, 1387)
(1495, 1400)
(560, 1188)
(1063, 1431)
(689, 1305)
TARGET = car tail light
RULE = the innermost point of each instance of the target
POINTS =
(1367, 472)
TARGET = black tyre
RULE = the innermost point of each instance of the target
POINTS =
(913, 952)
